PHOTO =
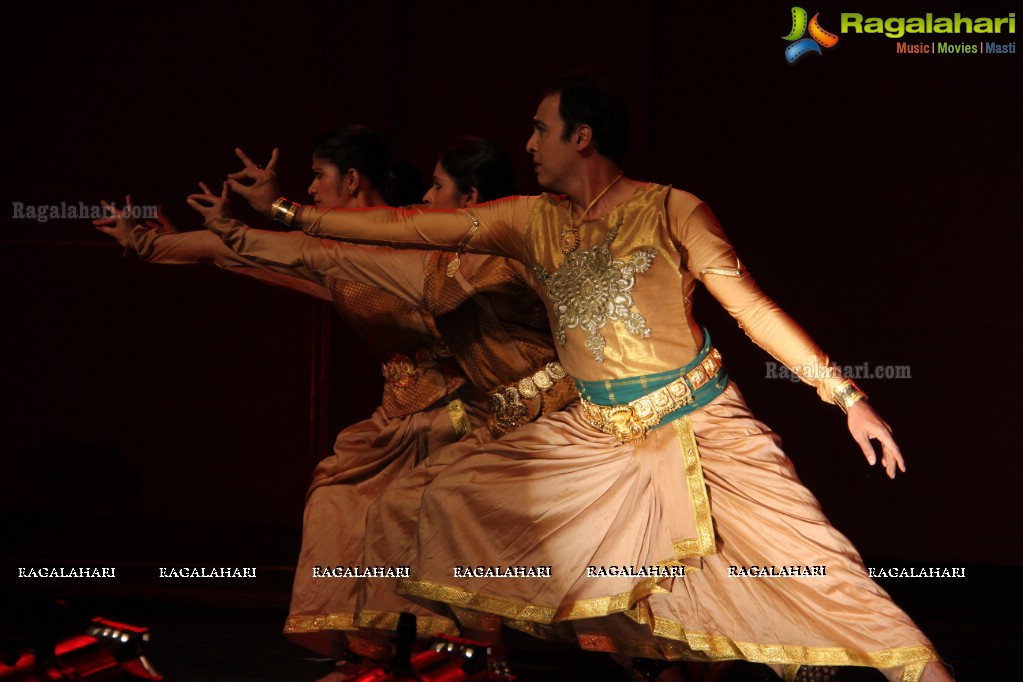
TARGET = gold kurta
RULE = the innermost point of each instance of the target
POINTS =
(710, 490)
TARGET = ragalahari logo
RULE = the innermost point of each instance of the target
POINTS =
(803, 46)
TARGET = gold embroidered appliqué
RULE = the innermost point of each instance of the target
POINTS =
(591, 288)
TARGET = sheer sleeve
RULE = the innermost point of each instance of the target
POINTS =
(400, 273)
(496, 227)
(180, 248)
(201, 246)
(710, 258)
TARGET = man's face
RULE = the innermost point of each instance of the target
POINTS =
(553, 158)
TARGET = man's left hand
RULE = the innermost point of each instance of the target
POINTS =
(865, 424)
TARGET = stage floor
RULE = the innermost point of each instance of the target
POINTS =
(209, 632)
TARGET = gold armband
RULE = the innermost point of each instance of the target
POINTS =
(457, 260)
(283, 211)
(727, 272)
(847, 394)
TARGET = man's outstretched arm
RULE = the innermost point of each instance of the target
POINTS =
(497, 227)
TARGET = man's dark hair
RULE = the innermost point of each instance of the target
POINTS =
(588, 98)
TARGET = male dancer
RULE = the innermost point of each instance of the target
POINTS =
(661, 464)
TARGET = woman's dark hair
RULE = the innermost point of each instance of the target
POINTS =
(358, 147)
(588, 98)
(364, 149)
(475, 162)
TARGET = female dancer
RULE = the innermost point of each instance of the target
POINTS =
(409, 304)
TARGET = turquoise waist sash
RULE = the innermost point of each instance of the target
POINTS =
(620, 391)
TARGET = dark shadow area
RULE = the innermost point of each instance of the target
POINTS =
(169, 416)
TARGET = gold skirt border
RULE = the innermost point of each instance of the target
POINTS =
(332, 621)
(703, 544)
(426, 626)
(518, 610)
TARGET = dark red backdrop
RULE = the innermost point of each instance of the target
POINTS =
(874, 195)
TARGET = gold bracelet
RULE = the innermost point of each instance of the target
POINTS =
(283, 211)
(274, 207)
(847, 394)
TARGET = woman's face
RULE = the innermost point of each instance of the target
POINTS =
(327, 188)
(443, 193)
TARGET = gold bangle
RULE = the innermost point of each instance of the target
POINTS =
(283, 211)
(847, 394)
(274, 207)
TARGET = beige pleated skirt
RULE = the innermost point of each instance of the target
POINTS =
(368, 457)
(712, 492)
